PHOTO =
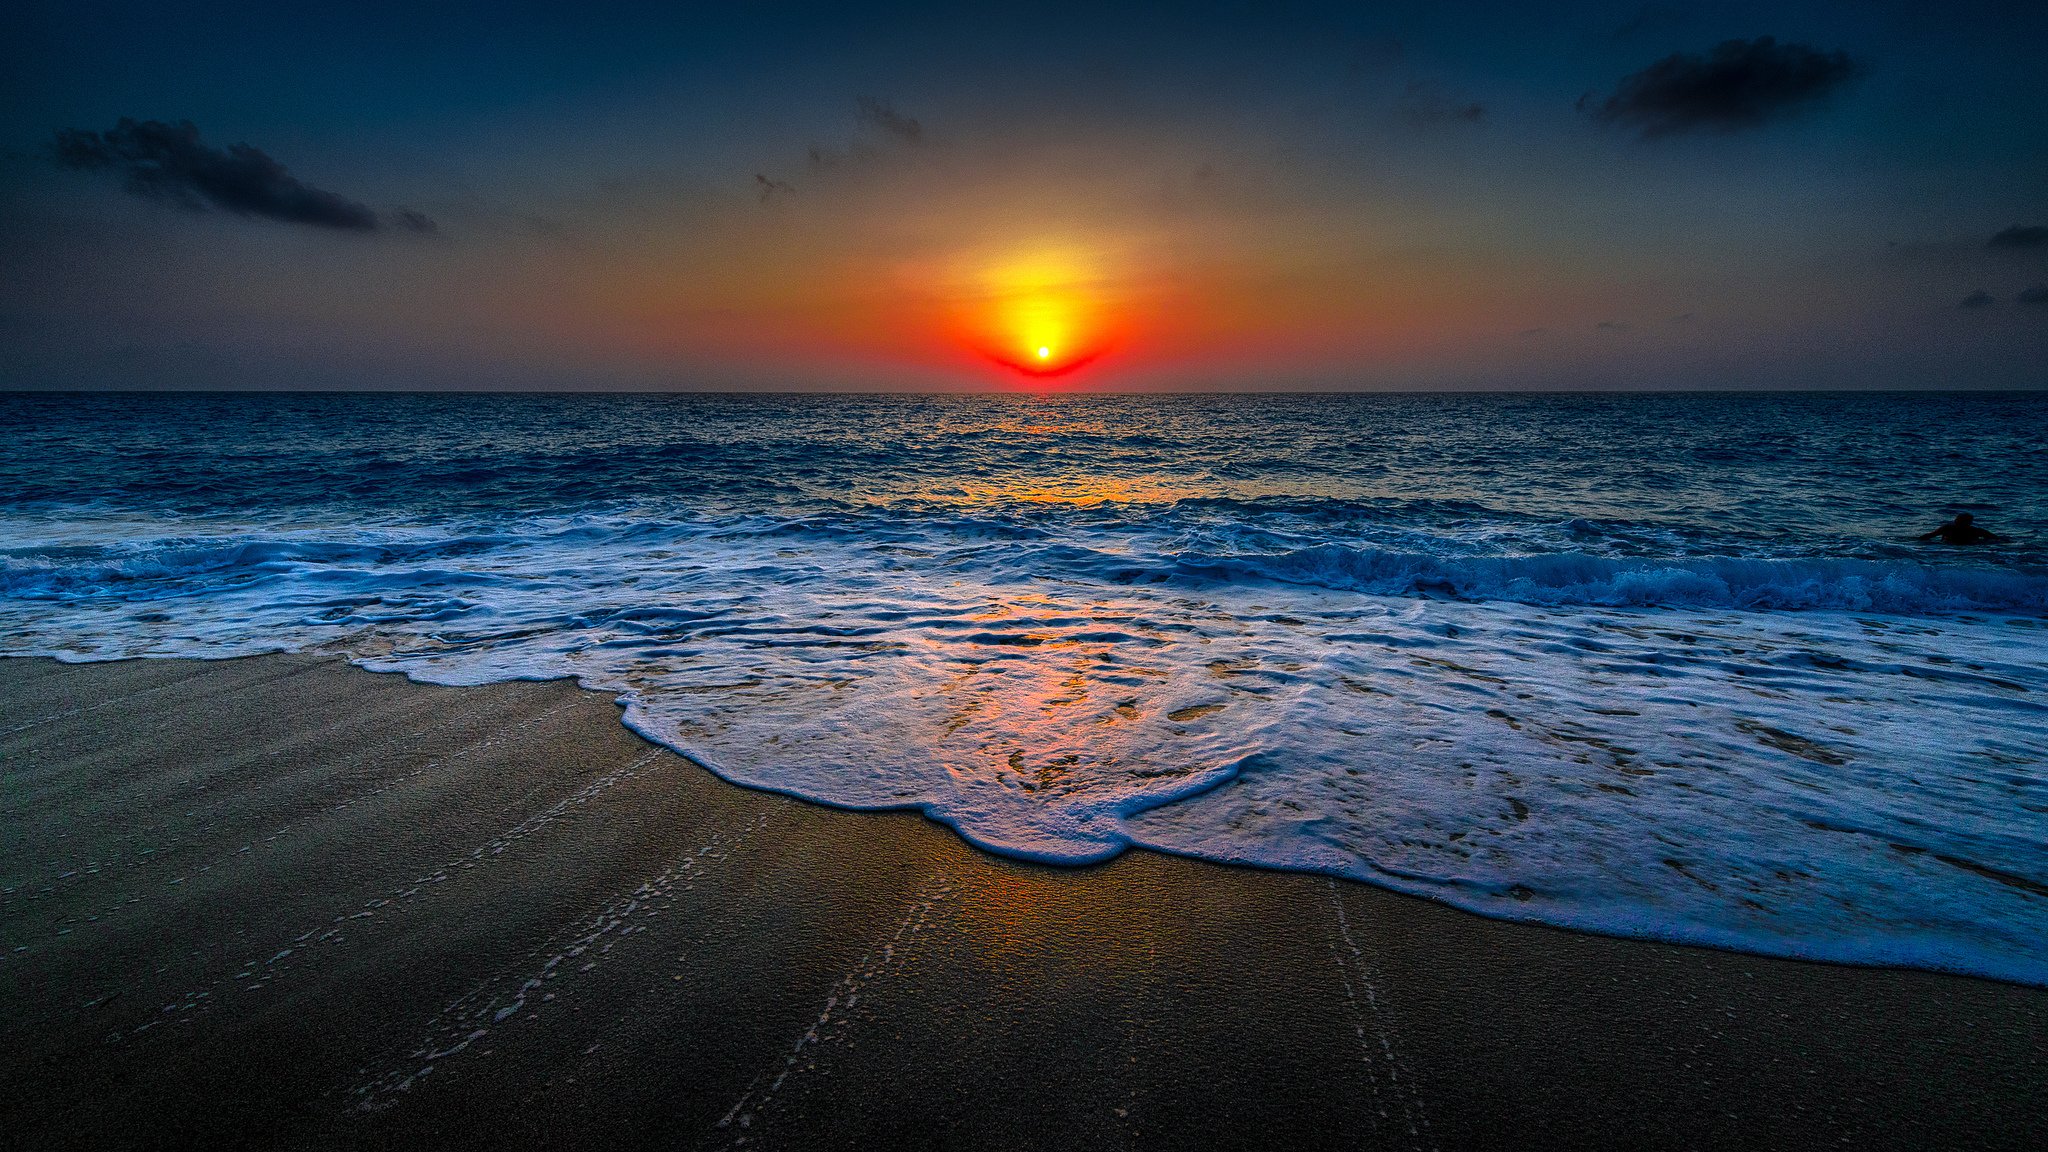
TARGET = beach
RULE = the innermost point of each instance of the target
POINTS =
(1111, 576)
(280, 901)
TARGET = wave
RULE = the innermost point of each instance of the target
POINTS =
(86, 571)
(1579, 579)
(1440, 564)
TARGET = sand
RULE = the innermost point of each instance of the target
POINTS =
(283, 902)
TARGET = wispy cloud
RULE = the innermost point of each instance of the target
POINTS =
(413, 221)
(879, 115)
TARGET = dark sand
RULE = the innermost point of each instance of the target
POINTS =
(282, 902)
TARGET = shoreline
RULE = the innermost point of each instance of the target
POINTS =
(285, 901)
(1391, 884)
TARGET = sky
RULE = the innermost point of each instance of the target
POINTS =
(1122, 197)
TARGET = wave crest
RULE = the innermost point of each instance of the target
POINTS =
(1573, 578)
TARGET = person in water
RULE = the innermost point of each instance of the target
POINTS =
(1961, 531)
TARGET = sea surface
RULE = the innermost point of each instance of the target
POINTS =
(1668, 666)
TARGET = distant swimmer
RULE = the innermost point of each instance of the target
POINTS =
(1961, 531)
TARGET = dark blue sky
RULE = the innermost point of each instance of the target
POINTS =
(1240, 195)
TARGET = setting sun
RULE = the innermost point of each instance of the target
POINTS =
(1042, 313)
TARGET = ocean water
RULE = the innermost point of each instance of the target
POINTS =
(1659, 666)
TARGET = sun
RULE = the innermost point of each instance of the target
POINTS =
(1041, 312)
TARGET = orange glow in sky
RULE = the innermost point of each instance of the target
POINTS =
(996, 293)
(1044, 313)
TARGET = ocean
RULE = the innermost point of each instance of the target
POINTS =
(1664, 666)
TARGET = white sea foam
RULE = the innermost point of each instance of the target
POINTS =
(1645, 745)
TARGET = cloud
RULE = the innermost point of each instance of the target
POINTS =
(1614, 326)
(413, 221)
(169, 162)
(877, 114)
(770, 189)
(1740, 84)
(1978, 299)
(2020, 236)
(2038, 294)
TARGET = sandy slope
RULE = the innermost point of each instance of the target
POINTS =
(281, 901)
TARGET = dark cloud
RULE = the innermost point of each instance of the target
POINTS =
(770, 189)
(413, 221)
(1740, 84)
(2038, 294)
(169, 162)
(1613, 326)
(2020, 236)
(879, 115)
(1978, 299)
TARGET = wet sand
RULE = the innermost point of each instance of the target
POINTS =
(282, 902)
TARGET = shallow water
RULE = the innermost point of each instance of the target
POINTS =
(1665, 666)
